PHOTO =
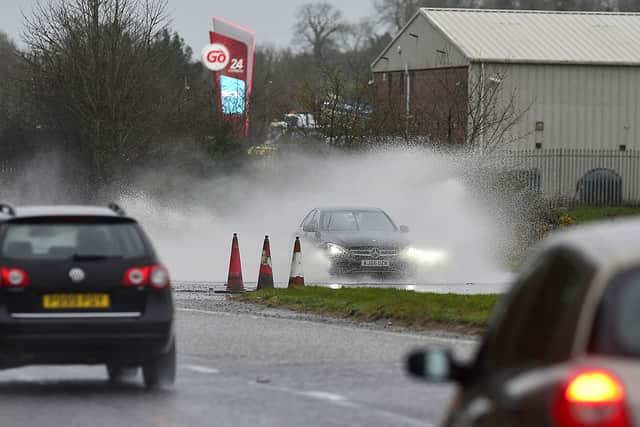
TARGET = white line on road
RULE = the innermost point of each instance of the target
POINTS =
(201, 369)
(331, 397)
(339, 400)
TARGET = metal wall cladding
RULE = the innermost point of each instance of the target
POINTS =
(575, 76)
(455, 37)
(571, 106)
(573, 176)
(419, 46)
(541, 36)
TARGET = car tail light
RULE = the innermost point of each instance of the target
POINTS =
(159, 277)
(14, 278)
(155, 276)
(593, 398)
(137, 276)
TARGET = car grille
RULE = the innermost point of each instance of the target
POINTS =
(369, 252)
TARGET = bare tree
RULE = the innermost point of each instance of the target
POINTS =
(452, 106)
(97, 69)
(396, 13)
(12, 111)
(7, 62)
(341, 107)
(582, 5)
(626, 5)
(318, 28)
(493, 112)
(475, 110)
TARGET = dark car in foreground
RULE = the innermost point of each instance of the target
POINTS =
(83, 285)
(358, 241)
(563, 348)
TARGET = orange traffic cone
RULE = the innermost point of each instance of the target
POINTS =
(235, 282)
(296, 278)
(265, 277)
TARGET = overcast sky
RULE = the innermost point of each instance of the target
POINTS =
(270, 19)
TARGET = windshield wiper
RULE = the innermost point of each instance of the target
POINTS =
(88, 257)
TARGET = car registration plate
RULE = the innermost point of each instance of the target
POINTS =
(67, 301)
(376, 263)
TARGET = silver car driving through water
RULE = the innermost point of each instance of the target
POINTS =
(359, 241)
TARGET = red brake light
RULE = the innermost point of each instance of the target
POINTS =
(14, 278)
(155, 276)
(593, 398)
(137, 276)
(594, 387)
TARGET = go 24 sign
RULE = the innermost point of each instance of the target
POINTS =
(216, 57)
(228, 57)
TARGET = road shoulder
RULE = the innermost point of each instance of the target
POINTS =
(209, 302)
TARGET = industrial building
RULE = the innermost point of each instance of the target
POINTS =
(563, 82)
(575, 75)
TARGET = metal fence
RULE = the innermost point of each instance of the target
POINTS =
(575, 176)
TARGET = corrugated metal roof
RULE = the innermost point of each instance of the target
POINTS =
(541, 36)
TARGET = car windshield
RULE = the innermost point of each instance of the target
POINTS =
(357, 221)
(72, 240)
(619, 309)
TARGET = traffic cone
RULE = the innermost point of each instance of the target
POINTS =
(234, 282)
(265, 277)
(296, 278)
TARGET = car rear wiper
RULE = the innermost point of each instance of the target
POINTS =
(88, 257)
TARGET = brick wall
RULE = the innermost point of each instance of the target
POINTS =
(438, 101)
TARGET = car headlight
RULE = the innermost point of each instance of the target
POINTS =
(427, 257)
(336, 250)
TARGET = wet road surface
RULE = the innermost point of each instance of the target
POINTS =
(239, 369)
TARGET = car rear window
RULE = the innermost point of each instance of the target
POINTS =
(69, 240)
(615, 331)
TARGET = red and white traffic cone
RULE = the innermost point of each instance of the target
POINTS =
(296, 278)
(265, 277)
(235, 284)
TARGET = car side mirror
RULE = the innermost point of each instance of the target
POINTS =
(434, 365)
(404, 229)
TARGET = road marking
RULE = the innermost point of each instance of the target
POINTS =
(464, 341)
(331, 397)
(17, 375)
(201, 369)
(339, 400)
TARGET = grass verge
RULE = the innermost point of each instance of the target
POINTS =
(563, 218)
(468, 314)
(587, 213)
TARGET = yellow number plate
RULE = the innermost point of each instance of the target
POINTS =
(65, 301)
